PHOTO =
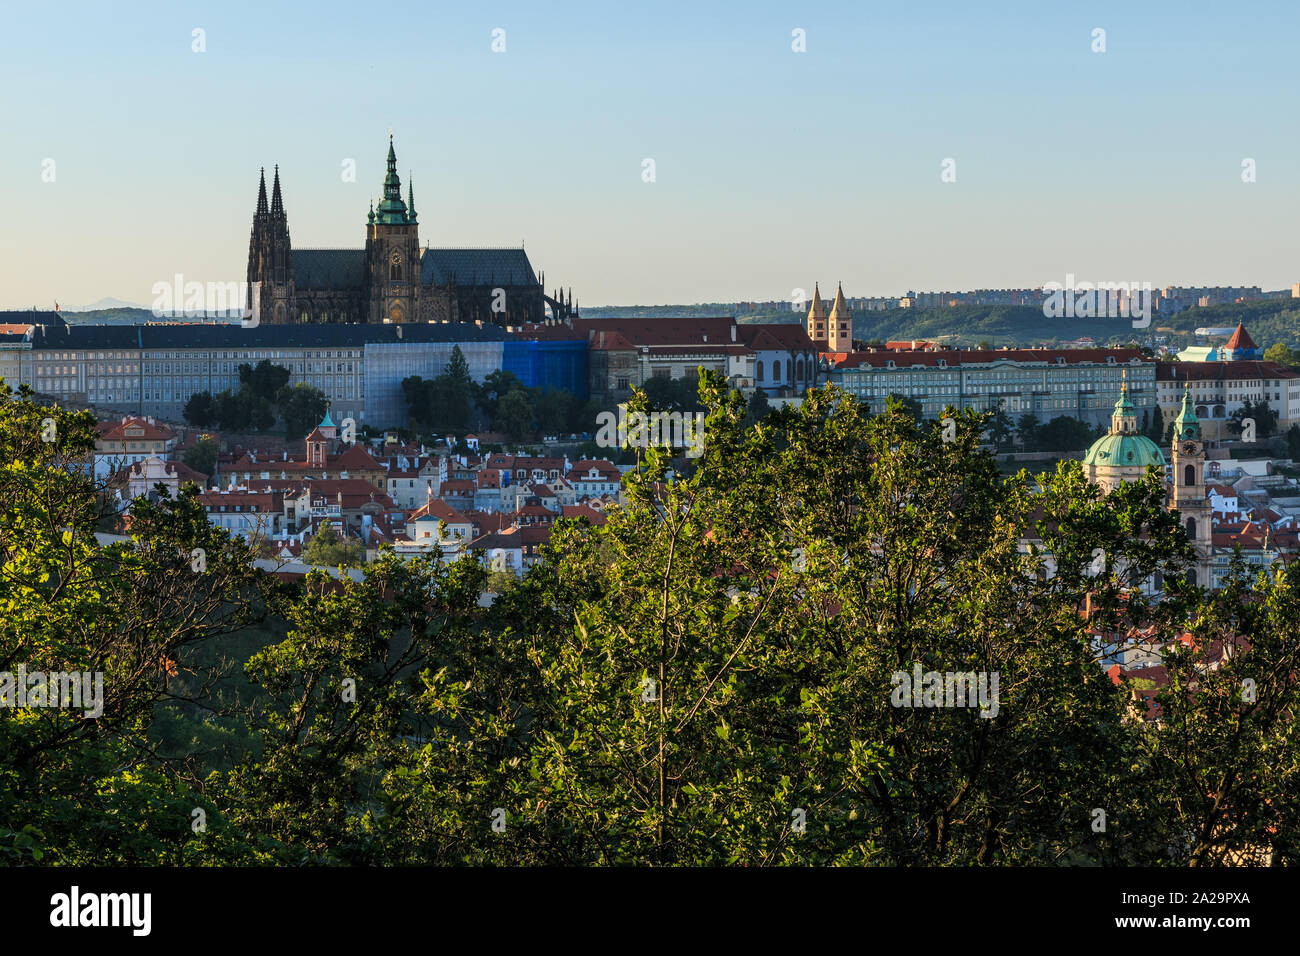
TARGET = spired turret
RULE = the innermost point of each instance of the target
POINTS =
(817, 317)
(1122, 454)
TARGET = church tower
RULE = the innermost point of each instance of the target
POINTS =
(1188, 492)
(270, 256)
(817, 317)
(839, 326)
(393, 252)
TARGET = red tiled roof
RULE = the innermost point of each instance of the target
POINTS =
(669, 330)
(1240, 339)
(790, 336)
(116, 431)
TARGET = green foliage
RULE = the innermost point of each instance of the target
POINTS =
(1265, 419)
(443, 404)
(202, 456)
(302, 407)
(1280, 353)
(264, 380)
(514, 415)
(684, 685)
(1064, 433)
(77, 791)
(328, 549)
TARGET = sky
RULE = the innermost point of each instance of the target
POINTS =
(128, 157)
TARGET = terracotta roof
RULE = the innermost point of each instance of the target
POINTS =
(790, 336)
(438, 510)
(116, 431)
(668, 330)
(1241, 339)
(356, 457)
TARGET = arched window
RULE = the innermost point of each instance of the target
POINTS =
(759, 373)
(1189, 475)
(395, 272)
(789, 369)
(798, 369)
(1191, 528)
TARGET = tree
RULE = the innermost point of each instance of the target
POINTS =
(418, 393)
(302, 407)
(1281, 353)
(1264, 417)
(1293, 442)
(326, 548)
(1027, 431)
(1157, 427)
(1064, 433)
(263, 380)
(137, 614)
(198, 410)
(515, 415)
(453, 395)
(495, 386)
(554, 408)
(202, 456)
(909, 404)
(1000, 428)
(232, 411)
(757, 407)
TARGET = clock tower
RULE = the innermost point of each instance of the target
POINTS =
(1187, 494)
(393, 252)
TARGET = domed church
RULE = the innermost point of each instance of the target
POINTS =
(1122, 454)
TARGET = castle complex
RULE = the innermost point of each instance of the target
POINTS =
(391, 280)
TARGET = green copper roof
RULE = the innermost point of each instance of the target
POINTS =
(327, 422)
(392, 211)
(1187, 425)
(1135, 451)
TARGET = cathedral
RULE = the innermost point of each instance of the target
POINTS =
(1123, 454)
(393, 279)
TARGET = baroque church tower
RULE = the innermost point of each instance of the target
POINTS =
(1188, 491)
(393, 252)
(270, 256)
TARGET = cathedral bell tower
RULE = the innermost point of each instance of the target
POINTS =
(393, 252)
(1188, 491)
(270, 257)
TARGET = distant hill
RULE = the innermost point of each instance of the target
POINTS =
(127, 315)
(1267, 320)
(102, 305)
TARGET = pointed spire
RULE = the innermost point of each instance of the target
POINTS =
(1187, 425)
(277, 203)
(392, 210)
(818, 306)
(839, 307)
(261, 194)
(410, 196)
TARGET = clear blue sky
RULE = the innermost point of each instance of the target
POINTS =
(774, 169)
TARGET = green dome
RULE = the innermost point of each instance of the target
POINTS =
(1131, 451)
